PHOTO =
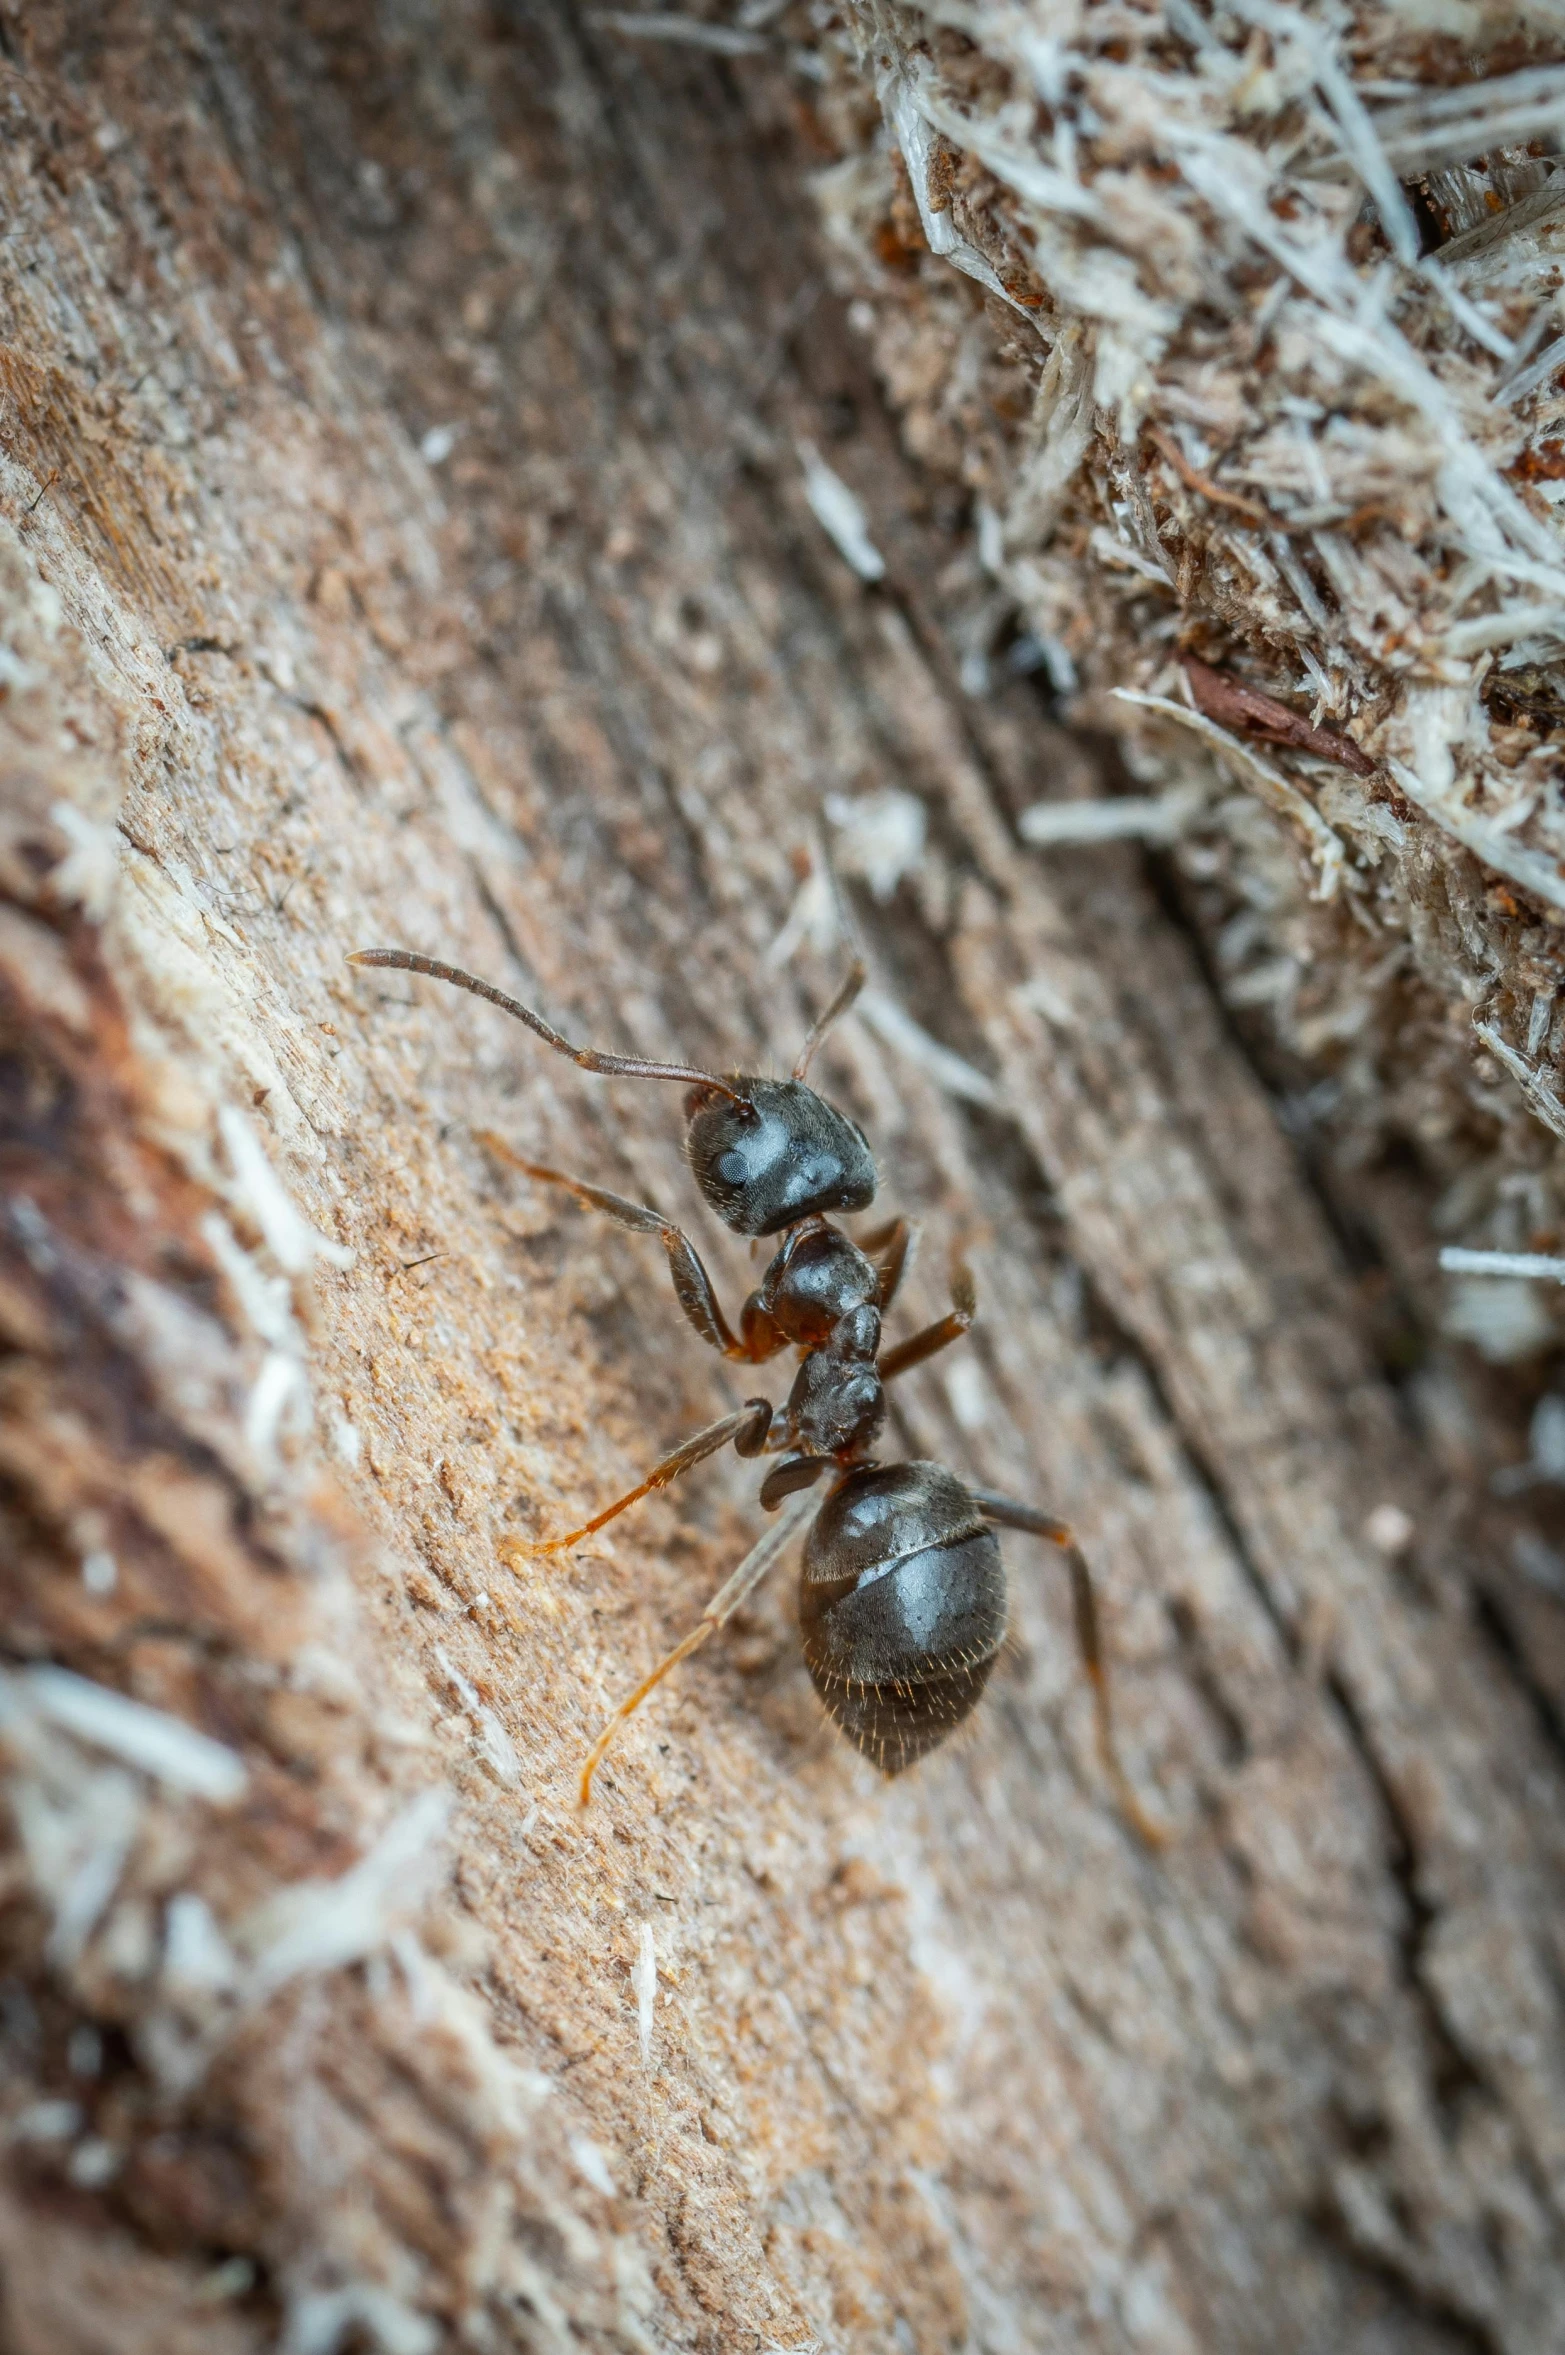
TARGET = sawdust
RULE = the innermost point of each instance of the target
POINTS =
(1259, 379)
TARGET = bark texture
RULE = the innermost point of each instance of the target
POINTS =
(404, 540)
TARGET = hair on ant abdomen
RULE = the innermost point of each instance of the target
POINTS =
(902, 1601)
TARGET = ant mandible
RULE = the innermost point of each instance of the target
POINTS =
(902, 1597)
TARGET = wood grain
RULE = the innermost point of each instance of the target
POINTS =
(429, 564)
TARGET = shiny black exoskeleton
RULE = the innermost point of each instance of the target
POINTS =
(775, 1152)
(902, 1607)
(902, 1594)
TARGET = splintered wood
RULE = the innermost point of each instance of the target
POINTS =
(1241, 327)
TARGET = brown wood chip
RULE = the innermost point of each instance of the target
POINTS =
(1233, 705)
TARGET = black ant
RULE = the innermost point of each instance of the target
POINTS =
(902, 1597)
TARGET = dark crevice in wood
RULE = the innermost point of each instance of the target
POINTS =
(1463, 2334)
(1361, 1251)
(1490, 1616)
(1451, 2073)
(1354, 1236)
(1233, 1736)
(1000, 1147)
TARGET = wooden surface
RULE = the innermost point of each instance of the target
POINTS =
(949, 2063)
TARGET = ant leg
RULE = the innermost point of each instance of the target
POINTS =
(889, 1247)
(747, 1427)
(788, 1474)
(918, 1346)
(692, 1284)
(1089, 1641)
(720, 1609)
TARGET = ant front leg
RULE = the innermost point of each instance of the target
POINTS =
(940, 1335)
(1089, 1641)
(747, 1427)
(692, 1285)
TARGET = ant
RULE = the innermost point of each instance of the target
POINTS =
(902, 1603)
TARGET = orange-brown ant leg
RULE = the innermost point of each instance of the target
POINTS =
(692, 1284)
(747, 1427)
(918, 1346)
(889, 1247)
(761, 1557)
(1089, 1641)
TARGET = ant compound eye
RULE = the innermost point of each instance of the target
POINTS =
(782, 1155)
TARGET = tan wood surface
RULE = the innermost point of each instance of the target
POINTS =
(763, 2052)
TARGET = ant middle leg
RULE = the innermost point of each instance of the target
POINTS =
(940, 1335)
(1089, 1642)
(692, 1285)
(747, 1427)
(889, 1248)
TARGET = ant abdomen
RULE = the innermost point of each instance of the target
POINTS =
(901, 1608)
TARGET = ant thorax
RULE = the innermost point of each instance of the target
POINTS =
(837, 1403)
(822, 1293)
(816, 1279)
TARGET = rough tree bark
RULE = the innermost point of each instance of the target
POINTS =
(403, 541)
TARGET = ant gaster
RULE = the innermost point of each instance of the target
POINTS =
(902, 1597)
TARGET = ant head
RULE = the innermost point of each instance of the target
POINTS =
(766, 1152)
(773, 1152)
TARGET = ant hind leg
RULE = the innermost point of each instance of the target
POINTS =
(734, 1590)
(1089, 1641)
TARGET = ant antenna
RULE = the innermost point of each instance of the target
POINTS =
(589, 1058)
(853, 982)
